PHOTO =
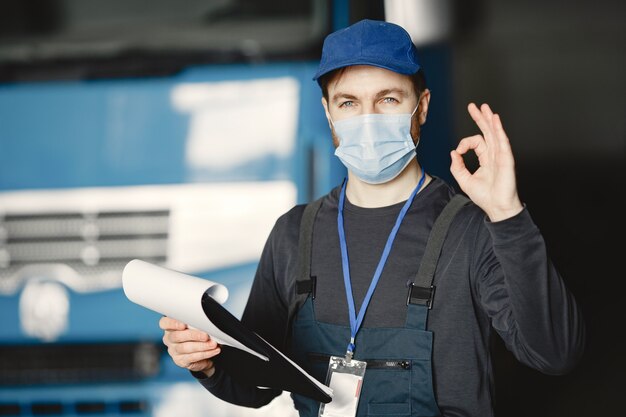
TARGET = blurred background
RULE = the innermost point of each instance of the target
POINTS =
(177, 132)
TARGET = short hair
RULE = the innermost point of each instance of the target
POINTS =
(418, 79)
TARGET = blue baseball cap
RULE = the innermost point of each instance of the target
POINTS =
(369, 42)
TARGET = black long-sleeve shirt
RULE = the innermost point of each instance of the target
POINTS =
(491, 276)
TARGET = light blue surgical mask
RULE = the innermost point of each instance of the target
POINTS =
(375, 147)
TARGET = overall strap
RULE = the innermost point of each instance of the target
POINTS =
(305, 283)
(422, 291)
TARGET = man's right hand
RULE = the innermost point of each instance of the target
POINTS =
(189, 348)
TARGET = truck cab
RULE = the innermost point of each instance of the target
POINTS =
(172, 132)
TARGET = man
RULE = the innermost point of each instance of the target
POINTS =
(369, 238)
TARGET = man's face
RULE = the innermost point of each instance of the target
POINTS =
(364, 89)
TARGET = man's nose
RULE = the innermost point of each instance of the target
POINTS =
(368, 108)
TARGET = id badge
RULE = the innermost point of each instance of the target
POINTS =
(345, 377)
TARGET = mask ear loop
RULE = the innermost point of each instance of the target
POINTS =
(414, 110)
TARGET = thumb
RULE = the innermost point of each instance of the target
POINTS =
(458, 169)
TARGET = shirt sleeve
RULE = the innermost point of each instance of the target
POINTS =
(224, 387)
(525, 297)
(266, 311)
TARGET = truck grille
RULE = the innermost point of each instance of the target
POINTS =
(78, 363)
(50, 408)
(96, 246)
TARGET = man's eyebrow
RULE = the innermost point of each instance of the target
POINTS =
(388, 91)
(344, 96)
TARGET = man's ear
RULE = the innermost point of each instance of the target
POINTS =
(423, 106)
(325, 105)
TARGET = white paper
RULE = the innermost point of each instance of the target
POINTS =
(178, 296)
(346, 389)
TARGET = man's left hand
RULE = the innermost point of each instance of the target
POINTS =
(492, 186)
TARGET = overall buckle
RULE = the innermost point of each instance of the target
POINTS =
(421, 295)
(307, 286)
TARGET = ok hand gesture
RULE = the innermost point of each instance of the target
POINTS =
(492, 186)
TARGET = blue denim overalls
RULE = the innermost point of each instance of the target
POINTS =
(398, 380)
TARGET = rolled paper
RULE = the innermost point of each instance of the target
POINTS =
(179, 296)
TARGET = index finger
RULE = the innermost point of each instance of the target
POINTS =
(190, 335)
(481, 120)
(168, 323)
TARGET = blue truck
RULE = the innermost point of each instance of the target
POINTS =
(173, 132)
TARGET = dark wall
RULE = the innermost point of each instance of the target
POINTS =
(554, 71)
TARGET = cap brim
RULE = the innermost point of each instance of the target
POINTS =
(400, 69)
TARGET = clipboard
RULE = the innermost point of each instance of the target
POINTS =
(245, 356)
(279, 372)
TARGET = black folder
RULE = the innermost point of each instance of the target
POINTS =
(277, 373)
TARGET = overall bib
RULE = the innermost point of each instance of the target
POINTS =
(398, 379)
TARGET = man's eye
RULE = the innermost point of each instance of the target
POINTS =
(347, 104)
(390, 100)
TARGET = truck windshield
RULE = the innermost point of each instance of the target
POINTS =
(91, 38)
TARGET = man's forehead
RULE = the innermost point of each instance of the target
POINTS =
(365, 79)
